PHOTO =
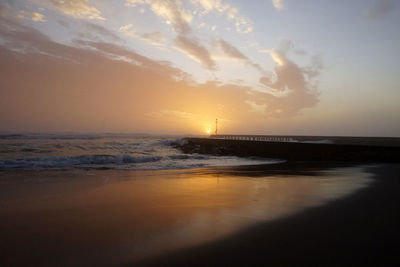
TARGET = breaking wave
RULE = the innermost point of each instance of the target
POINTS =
(59, 162)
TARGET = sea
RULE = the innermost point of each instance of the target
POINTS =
(106, 151)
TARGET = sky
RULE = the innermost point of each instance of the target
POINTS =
(292, 67)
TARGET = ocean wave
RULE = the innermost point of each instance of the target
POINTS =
(89, 160)
(84, 160)
(124, 161)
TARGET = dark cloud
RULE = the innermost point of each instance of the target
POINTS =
(93, 31)
(287, 45)
(315, 68)
(64, 23)
(195, 50)
(381, 8)
(233, 52)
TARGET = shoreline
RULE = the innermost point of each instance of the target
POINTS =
(359, 229)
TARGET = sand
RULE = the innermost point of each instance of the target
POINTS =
(215, 216)
(361, 229)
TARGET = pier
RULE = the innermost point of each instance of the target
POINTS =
(338, 140)
(298, 148)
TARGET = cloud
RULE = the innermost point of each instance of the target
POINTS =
(315, 68)
(154, 38)
(196, 51)
(9, 11)
(120, 53)
(99, 86)
(242, 23)
(83, 85)
(287, 45)
(172, 12)
(4, 9)
(127, 29)
(134, 3)
(292, 86)
(34, 16)
(381, 8)
(77, 9)
(95, 32)
(28, 40)
(264, 51)
(288, 74)
(233, 52)
(257, 108)
(172, 114)
(278, 4)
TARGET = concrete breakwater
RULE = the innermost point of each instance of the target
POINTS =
(295, 151)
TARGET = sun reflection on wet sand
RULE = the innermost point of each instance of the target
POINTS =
(120, 216)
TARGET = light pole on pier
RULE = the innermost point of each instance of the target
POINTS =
(216, 126)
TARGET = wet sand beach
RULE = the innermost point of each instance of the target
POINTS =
(361, 229)
(206, 216)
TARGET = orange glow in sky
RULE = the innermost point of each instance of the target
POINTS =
(174, 66)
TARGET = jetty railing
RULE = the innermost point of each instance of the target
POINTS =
(342, 140)
(270, 138)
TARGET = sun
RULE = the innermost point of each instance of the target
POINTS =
(208, 131)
